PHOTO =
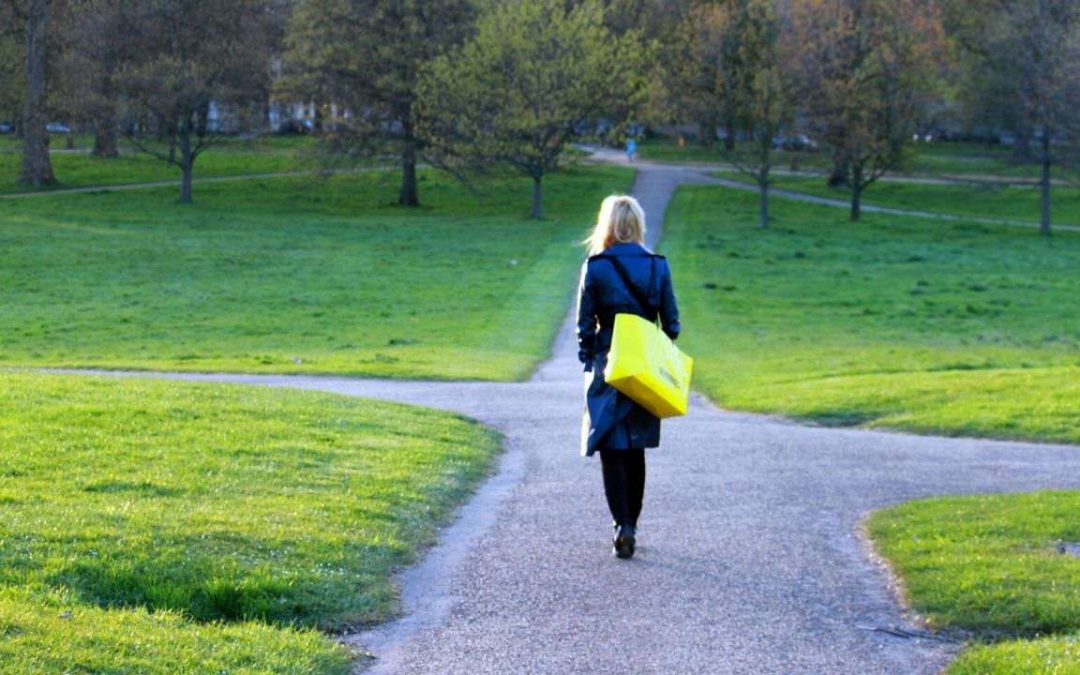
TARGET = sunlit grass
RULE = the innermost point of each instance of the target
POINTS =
(297, 275)
(138, 516)
(997, 568)
(941, 327)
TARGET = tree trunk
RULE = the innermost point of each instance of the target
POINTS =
(1022, 147)
(537, 205)
(707, 131)
(187, 160)
(164, 131)
(105, 133)
(729, 135)
(409, 194)
(36, 168)
(763, 204)
(763, 182)
(1044, 185)
(838, 177)
(856, 192)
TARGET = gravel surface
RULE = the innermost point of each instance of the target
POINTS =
(748, 557)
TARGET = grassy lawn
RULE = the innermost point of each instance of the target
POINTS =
(297, 275)
(231, 157)
(164, 527)
(1018, 202)
(938, 327)
(953, 159)
(990, 567)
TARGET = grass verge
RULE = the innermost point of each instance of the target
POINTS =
(936, 327)
(231, 157)
(298, 275)
(176, 527)
(979, 200)
(935, 159)
(992, 567)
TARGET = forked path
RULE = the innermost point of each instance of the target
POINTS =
(749, 561)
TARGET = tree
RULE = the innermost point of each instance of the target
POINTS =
(1047, 42)
(535, 75)
(95, 44)
(1029, 51)
(746, 47)
(365, 56)
(864, 64)
(37, 169)
(190, 58)
(11, 65)
(704, 67)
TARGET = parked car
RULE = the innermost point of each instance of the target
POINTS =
(57, 128)
(6, 128)
(795, 142)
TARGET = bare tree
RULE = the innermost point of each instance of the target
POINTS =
(189, 59)
(704, 67)
(95, 44)
(37, 169)
(365, 56)
(11, 64)
(1034, 48)
(746, 45)
(864, 65)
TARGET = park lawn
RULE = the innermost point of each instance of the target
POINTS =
(939, 327)
(935, 159)
(982, 200)
(230, 157)
(155, 526)
(298, 275)
(989, 566)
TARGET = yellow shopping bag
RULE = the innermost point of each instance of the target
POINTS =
(645, 364)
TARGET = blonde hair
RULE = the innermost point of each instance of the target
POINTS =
(621, 220)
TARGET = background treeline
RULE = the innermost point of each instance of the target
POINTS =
(462, 84)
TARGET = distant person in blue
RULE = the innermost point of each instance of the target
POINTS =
(631, 149)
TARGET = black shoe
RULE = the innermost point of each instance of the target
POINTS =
(624, 543)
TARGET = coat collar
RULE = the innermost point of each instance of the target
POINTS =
(628, 248)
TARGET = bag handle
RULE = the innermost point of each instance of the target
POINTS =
(640, 298)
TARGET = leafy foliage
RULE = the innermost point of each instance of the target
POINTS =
(536, 75)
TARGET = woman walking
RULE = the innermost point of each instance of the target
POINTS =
(620, 276)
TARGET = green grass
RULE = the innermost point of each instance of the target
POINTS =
(984, 200)
(152, 523)
(1043, 656)
(940, 159)
(938, 327)
(989, 566)
(297, 275)
(232, 157)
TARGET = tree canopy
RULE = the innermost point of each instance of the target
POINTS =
(536, 75)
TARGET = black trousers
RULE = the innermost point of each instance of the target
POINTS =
(624, 483)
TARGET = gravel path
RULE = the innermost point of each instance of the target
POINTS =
(749, 561)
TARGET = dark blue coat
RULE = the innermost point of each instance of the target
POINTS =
(613, 421)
